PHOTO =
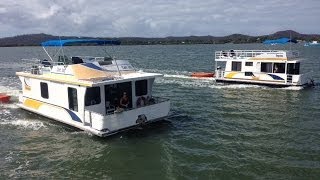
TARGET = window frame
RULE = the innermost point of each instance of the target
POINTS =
(236, 65)
(249, 64)
(44, 90)
(281, 67)
(294, 70)
(92, 101)
(270, 68)
(73, 99)
(141, 87)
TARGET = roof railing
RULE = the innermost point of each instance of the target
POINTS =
(241, 54)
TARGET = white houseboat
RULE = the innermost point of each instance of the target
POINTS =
(96, 94)
(276, 68)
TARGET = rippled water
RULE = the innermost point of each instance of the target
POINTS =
(215, 131)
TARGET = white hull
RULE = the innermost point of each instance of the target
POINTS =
(97, 123)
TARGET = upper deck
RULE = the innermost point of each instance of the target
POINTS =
(85, 73)
(260, 55)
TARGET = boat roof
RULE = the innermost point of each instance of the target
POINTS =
(108, 78)
(87, 74)
(64, 42)
(279, 41)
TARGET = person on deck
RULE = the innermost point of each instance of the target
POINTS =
(124, 101)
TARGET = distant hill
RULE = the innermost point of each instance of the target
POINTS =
(36, 39)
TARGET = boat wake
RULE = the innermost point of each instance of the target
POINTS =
(9, 86)
(292, 88)
(184, 79)
(235, 86)
(24, 124)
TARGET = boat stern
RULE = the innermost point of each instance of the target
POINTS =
(123, 119)
(303, 79)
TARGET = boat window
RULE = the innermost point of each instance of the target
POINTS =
(249, 63)
(293, 68)
(113, 94)
(44, 90)
(279, 67)
(141, 87)
(248, 74)
(266, 67)
(76, 60)
(236, 66)
(103, 63)
(92, 96)
(62, 60)
(73, 99)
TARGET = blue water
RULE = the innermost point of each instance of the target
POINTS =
(214, 131)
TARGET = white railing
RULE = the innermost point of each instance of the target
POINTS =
(31, 65)
(240, 54)
(37, 66)
(148, 102)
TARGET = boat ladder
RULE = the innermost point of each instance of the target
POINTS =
(289, 79)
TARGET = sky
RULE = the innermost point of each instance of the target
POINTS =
(157, 18)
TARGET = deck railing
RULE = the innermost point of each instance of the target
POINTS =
(240, 54)
(149, 102)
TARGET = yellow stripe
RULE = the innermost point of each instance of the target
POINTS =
(231, 74)
(32, 103)
(27, 88)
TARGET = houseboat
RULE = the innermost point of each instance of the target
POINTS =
(100, 95)
(277, 68)
(313, 43)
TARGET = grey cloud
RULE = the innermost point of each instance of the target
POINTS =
(160, 18)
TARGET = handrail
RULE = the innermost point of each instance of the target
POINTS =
(152, 101)
(240, 54)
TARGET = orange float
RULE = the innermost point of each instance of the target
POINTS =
(4, 98)
(202, 74)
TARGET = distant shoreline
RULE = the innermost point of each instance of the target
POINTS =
(36, 39)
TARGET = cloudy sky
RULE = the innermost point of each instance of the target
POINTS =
(157, 18)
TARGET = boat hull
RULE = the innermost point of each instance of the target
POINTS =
(98, 124)
(269, 84)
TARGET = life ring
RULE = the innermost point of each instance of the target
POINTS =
(141, 101)
(141, 119)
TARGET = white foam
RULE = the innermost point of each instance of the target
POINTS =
(292, 88)
(181, 76)
(9, 106)
(186, 83)
(173, 72)
(9, 157)
(234, 86)
(4, 111)
(82, 133)
(24, 123)
(177, 76)
(8, 84)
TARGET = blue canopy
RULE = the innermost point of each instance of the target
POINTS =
(79, 41)
(279, 41)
